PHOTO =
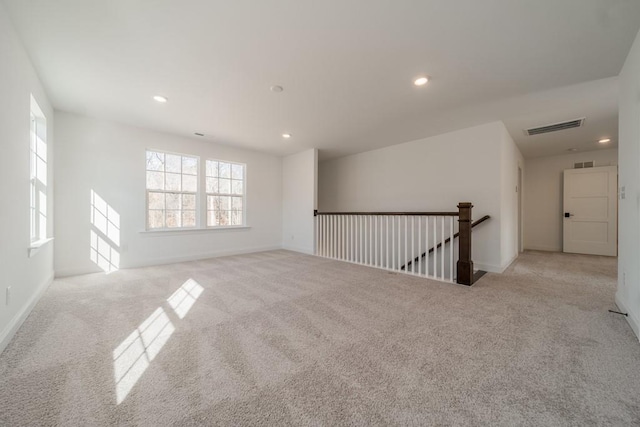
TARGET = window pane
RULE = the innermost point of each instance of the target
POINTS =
(212, 168)
(216, 203)
(223, 218)
(237, 187)
(225, 186)
(237, 171)
(155, 161)
(189, 201)
(224, 203)
(156, 200)
(212, 185)
(32, 163)
(210, 202)
(189, 218)
(173, 182)
(173, 163)
(236, 203)
(41, 170)
(224, 170)
(155, 181)
(190, 165)
(173, 201)
(211, 219)
(172, 219)
(41, 148)
(236, 218)
(189, 183)
(156, 219)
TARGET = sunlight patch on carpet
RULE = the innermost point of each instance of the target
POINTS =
(134, 355)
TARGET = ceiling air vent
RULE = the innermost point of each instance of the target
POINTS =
(555, 127)
(582, 165)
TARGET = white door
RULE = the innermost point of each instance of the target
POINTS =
(590, 211)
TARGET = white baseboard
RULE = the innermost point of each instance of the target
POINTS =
(542, 248)
(10, 330)
(632, 319)
(300, 249)
(168, 260)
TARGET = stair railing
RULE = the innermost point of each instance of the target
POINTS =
(391, 241)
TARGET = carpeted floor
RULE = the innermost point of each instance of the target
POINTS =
(279, 338)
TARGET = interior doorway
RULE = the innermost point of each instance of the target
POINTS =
(590, 211)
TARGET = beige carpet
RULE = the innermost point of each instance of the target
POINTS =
(278, 338)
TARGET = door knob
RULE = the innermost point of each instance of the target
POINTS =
(567, 214)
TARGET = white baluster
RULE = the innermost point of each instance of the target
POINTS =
(360, 239)
(324, 236)
(399, 242)
(370, 245)
(337, 235)
(320, 235)
(413, 244)
(351, 237)
(375, 240)
(328, 231)
(393, 242)
(420, 245)
(386, 254)
(331, 236)
(426, 247)
(342, 239)
(435, 247)
(451, 248)
(406, 243)
(442, 251)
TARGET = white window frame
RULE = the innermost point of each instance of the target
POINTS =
(181, 192)
(38, 178)
(231, 194)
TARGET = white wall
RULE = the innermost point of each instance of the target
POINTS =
(299, 199)
(543, 191)
(628, 295)
(109, 159)
(28, 277)
(511, 160)
(431, 174)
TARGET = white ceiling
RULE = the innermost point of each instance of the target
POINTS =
(347, 67)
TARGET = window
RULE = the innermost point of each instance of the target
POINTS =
(225, 193)
(172, 187)
(38, 178)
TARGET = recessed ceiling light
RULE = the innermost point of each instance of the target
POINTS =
(421, 81)
(276, 88)
(160, 98)
(572, 149)
(286, 135)
(605, 140)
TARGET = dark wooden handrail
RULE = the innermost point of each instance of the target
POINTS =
(439, 245)
(316, 213)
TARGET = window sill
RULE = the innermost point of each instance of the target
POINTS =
(35, 247)
(194, 230)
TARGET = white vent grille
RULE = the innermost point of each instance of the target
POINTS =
(582, 165)
(555, 127)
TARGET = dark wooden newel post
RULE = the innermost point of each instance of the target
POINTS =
(465, 265)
